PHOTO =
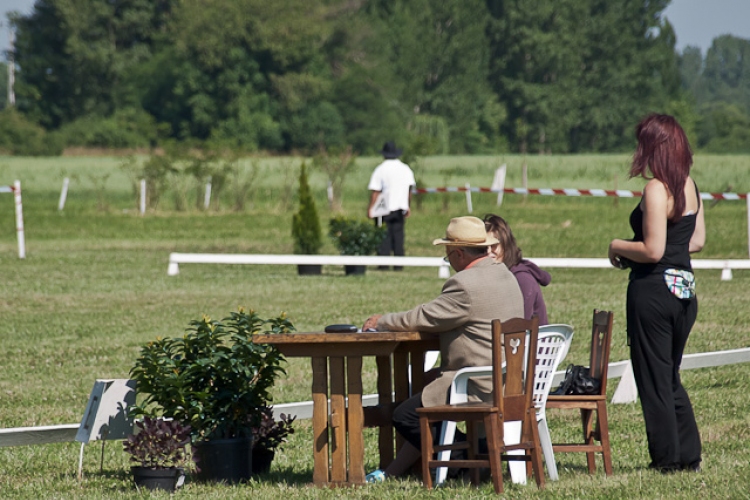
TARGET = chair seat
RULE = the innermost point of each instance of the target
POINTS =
(470, 407)
(573, 397)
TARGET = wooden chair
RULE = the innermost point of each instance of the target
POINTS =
(512, 400)
(595, 434)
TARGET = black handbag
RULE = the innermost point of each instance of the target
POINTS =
(578, 381)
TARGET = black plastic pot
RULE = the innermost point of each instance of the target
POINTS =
(224, 460)
(309, 269)
(354, 270)
(158, 479)
(262, 458)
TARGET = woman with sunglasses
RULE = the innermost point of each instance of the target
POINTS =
(530, 277)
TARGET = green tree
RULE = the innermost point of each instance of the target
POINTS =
(436, 54)
(74, 54)
(305, 223)
(576, 74)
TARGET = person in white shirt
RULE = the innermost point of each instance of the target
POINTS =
(390, 199)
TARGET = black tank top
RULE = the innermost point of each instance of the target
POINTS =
(676, 252)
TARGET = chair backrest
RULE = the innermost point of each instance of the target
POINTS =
(550, 348)
(601, 341)
(513, 396)
(565, 330)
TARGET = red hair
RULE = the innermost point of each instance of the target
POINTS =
(664, 151)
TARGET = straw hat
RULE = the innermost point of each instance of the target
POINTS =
(466, 232)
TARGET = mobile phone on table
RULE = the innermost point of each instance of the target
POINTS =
(341, 329)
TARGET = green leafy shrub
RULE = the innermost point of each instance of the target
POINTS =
(126, 128)
(213, 378)
(20, 136)
(355, 236)
(305, 223)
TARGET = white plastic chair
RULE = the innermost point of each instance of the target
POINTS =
(553, 345)
(551, 352)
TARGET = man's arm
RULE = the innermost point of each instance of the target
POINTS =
(448, 311)
(373, 198)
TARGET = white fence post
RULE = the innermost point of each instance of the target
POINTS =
(143, 196)
(469, 206)
(19, 220)
(63, 194)
(207, 196)
(498, 183)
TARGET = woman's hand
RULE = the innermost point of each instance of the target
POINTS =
(614, 258)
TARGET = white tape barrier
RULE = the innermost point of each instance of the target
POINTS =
(175, 259)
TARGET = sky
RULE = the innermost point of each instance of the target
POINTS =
(696, 22)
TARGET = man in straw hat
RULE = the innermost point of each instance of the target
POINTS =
(390, 199)
(480, 291)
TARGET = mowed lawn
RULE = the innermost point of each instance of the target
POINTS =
(94, 288)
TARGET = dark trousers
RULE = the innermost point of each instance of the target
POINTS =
(394, 239)
(406, 422)
(658, 327)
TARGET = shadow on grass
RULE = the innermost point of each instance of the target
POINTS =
(287, 476)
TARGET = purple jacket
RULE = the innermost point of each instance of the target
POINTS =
(529, 277)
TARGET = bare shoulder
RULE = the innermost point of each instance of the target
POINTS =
(655, 188)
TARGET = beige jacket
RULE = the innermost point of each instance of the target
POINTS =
(462, 314)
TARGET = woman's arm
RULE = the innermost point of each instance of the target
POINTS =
(655, 206)
(699, 235)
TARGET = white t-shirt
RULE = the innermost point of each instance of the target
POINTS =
(394, 180)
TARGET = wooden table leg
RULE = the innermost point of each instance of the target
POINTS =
(355, 424)
(385, 398)
(320, 421)
(337, 419)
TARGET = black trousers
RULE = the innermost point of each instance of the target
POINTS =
(658, 327)
(406, 422)
(394, 240)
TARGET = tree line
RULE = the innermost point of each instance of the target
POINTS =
(456, 76)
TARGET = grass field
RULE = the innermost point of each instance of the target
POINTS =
(94, 287)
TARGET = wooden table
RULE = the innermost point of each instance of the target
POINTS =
(337, 367)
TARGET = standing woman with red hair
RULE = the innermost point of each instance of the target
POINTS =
(668, 226)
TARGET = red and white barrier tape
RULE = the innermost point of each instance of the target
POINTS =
(571, 192)
(6, 189)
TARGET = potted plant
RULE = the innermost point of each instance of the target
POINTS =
(306, 226)
(158, 448)
(215, 379)
(269, 435)
(355, 237)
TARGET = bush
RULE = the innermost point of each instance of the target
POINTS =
(127, 128)
(355, 236)
(19, 136)
(305, 223)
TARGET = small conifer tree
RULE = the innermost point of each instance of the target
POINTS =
(305, 224)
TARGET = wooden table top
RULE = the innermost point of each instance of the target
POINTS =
(308, 344)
